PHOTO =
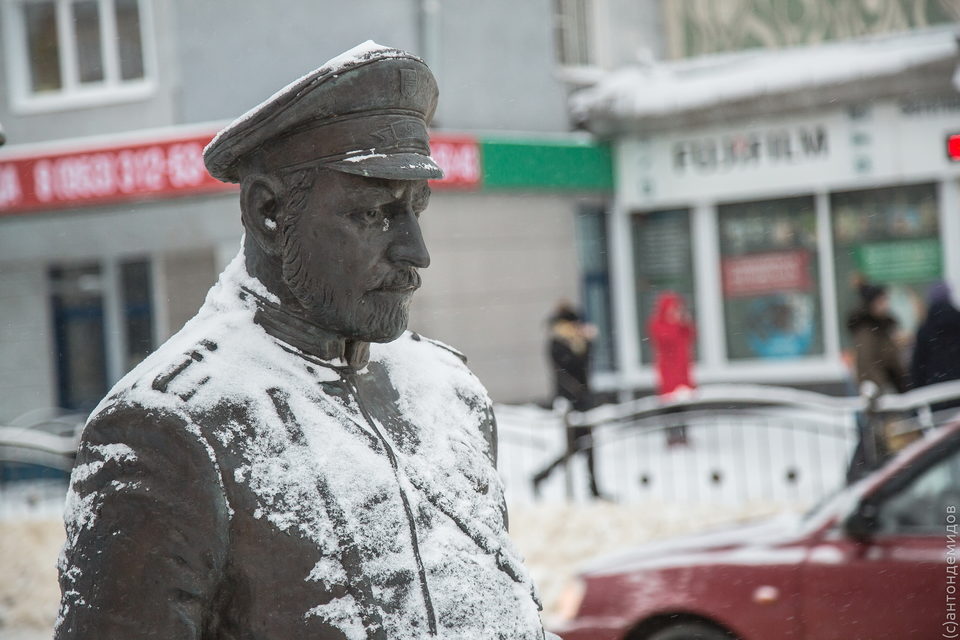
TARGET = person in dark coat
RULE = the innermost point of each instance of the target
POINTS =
(873, 331)
(570, 344)
(877, 360)
(936, 352)
(569, 350)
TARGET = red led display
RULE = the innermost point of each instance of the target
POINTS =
(953, 147)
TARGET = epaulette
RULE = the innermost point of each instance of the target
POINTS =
(162, 381)
(416, 337)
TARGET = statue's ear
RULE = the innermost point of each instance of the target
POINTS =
(260, 207)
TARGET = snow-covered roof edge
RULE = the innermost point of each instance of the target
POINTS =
(635, 93)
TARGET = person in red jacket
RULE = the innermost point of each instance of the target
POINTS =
(672, 333)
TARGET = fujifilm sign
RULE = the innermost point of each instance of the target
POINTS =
(749, 150)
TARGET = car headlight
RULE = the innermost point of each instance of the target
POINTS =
(568, 603)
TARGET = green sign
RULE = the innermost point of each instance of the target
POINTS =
(546, 165)
(902, 261)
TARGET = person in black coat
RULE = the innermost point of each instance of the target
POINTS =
(936, 352)
(570, 345)
(569, 350)
(877, 356)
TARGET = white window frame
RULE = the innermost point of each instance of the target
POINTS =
(599, 33)
(73, 94)
(562, 12)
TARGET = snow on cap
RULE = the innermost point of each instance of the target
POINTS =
(364, 112)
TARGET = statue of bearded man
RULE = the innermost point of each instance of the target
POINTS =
(293, 463)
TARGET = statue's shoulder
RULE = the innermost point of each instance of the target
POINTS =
(179, 364)
(418, 363)
(153, 400)
(414, 357)
(416, 337)
(159, 385)
(174, 372)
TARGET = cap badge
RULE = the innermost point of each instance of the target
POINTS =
(409, 82)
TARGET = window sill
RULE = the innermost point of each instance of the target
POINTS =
(583, 76)
(83, 98)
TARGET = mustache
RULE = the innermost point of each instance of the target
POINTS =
(400, 280)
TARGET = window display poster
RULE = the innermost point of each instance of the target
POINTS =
(888, 237)
(663, 261)
(770, 279)
(900, 261)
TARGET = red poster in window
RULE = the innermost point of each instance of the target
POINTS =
(161, 168)
(765, 273)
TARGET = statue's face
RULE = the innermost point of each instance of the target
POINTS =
(352, 250)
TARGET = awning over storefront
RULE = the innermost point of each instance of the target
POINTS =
(761, 81)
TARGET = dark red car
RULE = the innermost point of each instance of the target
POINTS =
(875, 562)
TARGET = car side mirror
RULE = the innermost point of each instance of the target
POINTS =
(862, 523)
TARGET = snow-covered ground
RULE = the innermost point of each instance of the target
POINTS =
(555, 539)
(680, 495)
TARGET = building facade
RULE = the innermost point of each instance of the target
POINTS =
(785, 154)
(111, 232)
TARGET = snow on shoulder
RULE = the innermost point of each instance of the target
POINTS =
(431, 377)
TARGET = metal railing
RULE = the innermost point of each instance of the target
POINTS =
(729, 444)
(37, 451)
(42, 437)
(724, 444)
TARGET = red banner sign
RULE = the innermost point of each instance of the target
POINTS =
(765, 273)
(161, 169)
(459, 157)
(105, 175)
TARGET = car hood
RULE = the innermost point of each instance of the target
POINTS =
(755, 542)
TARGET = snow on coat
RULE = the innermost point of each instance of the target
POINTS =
(233, 487)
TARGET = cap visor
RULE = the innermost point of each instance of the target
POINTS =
(393, 166)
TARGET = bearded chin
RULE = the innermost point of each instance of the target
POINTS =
(373, 317)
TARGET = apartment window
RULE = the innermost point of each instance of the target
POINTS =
(103, 326)
(66, 53)
(573, 32)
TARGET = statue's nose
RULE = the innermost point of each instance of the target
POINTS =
(408, 248)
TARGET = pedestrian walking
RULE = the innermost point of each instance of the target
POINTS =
(569, 348)
(672, 333)
(936, 348)
(877, 359)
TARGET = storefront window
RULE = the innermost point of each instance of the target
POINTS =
(662, 261)
(771, 280)
(888, 237)
(594, 265)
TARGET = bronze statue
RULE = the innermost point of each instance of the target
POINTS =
(293, 463)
